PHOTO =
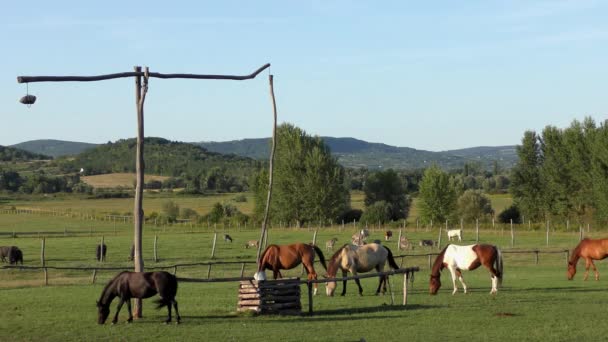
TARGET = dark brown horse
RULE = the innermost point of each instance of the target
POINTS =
(462, 258)
(286, 257)
(588, 249)
(12, 253)
(127, 285)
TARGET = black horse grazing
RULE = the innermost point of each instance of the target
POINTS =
(227, 238)
(127, 285)
(12, 253)
(100, 252)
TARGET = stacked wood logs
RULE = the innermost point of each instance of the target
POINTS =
(270, 296)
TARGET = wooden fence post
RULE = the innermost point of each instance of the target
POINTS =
(439, 240)
(213, 248)
(102, 256)
(477, 230)
(512, 235)
(155, 250)
(242, 269)
(314, 237)
(405, 288)
(309, 285)
(94, 276)
(399, 241)
(547, 233)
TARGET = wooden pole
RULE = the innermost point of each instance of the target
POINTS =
(155, 248)
(140, 97)
(102, 258)
(512, 235)
(309, 285)
(547, 233)
(270, 167)
(213, 248)
(399, 241)
(439, 240)
(405, 289)
(477, 230)
(314, 237)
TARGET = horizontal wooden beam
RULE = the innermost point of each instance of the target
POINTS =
(31, 79)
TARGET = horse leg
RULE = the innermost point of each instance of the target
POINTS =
(130, 319)
(358, 283)
(461, 279)
(168, 312)
(381, 281)
(597, 274)
(344, 273)
(453, 274)
(178, 319)
(587, 265)
(118, 307)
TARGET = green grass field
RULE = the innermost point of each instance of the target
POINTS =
(537, 303)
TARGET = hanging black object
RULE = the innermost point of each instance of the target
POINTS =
(28, 100)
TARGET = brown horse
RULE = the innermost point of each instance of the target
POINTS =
(461, 258)
(286, 257)
(588, 249)
(127, 285)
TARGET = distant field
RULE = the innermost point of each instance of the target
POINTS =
(113, 180)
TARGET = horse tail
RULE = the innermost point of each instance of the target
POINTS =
(499, 266)
(391, 260)
(321, 257)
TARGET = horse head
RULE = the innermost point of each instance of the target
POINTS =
(434, 284)
(571, 270)
(259, 276)
(330, 286)
(103, 311)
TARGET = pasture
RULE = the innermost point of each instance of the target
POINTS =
(536, 301)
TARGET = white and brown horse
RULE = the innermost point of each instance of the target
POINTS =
(355, 259)
(467, 258)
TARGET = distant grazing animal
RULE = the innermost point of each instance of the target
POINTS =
(462, 258)
(100, 252)
(588, 249)
(11, 253)
(455, 233)
(4, 250)
(360, 237)
(404, 243)
(329, 245)
(15, 255)
(426, 243)
(127, 285)
(286, 257)
(227, 238)
(355, 259)
(252, 243)
(388, 235)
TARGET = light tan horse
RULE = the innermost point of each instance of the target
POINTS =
(588, 249)
(355, 259)
(286, 257)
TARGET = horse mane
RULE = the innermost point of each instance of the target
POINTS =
(576, 252)
(107, 287)
(438, 264)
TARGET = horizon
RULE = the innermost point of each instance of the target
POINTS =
(226, 141)
(424, 76)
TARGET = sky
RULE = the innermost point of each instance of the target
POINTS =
(431, 75)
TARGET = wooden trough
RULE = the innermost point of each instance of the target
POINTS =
(270, 296)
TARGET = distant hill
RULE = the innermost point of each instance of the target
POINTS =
(161, 157)
(19, 155)
(353, 152)
(54, 148)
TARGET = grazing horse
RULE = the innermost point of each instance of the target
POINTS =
(355, 259)
(252, 243)
(286, 257)
(329, 245)
(426, 243)
(455, 233)
(4, 252)
(388, 235)
(227, 238)
(588, 249)
(360, 237)
(462, 258)
(127, 285)
(404, 243)
(100, 252)
(15, 255)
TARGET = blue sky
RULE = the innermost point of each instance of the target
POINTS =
(433, 75)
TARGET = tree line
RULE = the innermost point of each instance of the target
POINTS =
(563, 173)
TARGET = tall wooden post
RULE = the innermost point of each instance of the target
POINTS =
(476, 230)
(140, 97)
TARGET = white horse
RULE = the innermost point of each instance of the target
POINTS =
(453, 233)
(461, 258)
